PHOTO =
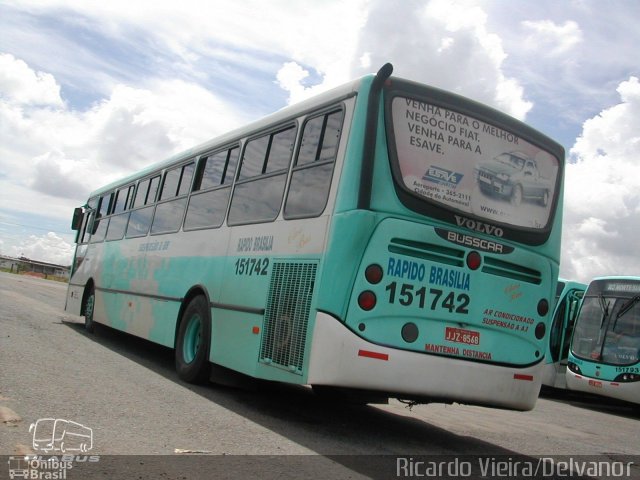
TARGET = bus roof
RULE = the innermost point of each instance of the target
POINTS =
(572, 284)
(616, 277)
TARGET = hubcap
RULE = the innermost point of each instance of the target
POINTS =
(192, 336)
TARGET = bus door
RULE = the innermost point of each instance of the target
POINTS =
(562, 329)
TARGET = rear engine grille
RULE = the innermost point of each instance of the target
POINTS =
(427, 251)
(287, 314)
(493, 266)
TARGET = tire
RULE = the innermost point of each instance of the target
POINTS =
(545, 198)
(516, 195)
(88, 310)
(193, 341)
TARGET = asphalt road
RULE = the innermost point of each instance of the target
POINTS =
(125, 389)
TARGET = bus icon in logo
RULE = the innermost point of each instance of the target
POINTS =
(18, 467)
(60, 435)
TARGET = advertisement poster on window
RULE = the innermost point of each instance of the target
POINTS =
(472, 166)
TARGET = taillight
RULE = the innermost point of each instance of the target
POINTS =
(373, 274)
(543, 307)
(367, 300)
(540, 330)
(474, 260)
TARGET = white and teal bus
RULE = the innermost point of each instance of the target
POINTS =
(568, 299)
(604, 358)
(385, 237)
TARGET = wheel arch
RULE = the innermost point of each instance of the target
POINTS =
(87, 287)
(191, 294)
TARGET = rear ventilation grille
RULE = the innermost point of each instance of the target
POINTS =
(427, 251)
(287, 315)
(501, 268)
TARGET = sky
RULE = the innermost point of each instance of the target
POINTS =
(91, 91)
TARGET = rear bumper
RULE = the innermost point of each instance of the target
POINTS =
(341, 358)
(629, 392)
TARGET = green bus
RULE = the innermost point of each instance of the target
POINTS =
(384, 239)
(604, 358)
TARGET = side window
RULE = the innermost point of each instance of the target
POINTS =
(118, 222)
(208, 203)
(312, 173)
(123, 199)
(186, 178)
(83, 235)
(143, 205)
(104, 208)
(255, 154)
(141, 193)
(100, 223)
(171, 182)
(232, 165)
(263, 174)
(89, 218)
(177, 182)
(153, 190)
(117, 226)
(139, 222)
(169, 214)
(146, 193)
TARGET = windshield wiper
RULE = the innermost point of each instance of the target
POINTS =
(624, 309)
(627, 306)
(604, 305)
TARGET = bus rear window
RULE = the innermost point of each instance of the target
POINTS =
(466, 164)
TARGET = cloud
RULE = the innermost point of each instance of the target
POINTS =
(602, 192)
(442, 43)
(290, 78)
(66, 153)
(22, 85)
(48, 248)
(135, 127)
(551, 39)
(52, 156)
(54, 176)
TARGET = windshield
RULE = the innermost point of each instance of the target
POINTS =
(511, 160)
(471, 166)
(608, 329)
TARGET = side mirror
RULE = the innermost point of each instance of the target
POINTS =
(76, 222)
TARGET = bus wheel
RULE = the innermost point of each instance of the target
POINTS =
(194, 338)
(88, 311)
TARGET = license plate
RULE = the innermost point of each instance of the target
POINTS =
(460, 335)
